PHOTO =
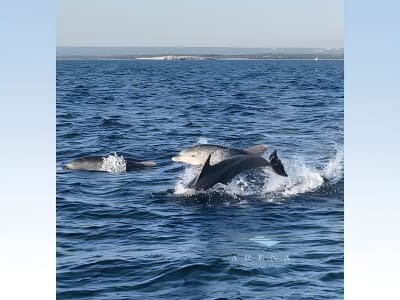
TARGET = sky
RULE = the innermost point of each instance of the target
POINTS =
(205, 23)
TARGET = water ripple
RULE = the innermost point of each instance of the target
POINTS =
(131, 236)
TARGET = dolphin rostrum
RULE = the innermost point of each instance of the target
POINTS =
(224, 171)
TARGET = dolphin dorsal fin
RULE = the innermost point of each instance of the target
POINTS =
(257, 149)
(205, 167)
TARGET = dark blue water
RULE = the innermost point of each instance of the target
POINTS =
(140, 235)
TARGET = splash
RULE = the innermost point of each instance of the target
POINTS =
(181, 185)
(188, 174)
(333, 171)
(239, 186)
(202, 140)
(114, 163)
(302, 178)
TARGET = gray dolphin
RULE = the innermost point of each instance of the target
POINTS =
(226, 170)
(96, 163)
(198, 154)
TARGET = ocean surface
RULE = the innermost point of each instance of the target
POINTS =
(144, 235)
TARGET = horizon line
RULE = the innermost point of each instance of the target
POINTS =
(242, 47)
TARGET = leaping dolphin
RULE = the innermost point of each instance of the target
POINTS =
(224, 171)
(97, 163)
(198, 154)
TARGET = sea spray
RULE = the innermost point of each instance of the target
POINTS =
(114, 163)
(303, 178)
(333, 171)
(181, 185)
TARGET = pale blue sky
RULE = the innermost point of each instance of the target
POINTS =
(207, 23)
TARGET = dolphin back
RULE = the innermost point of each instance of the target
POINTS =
(226, 170)
(95, 163)
(256, 150)
(130, 164)
(87, 163)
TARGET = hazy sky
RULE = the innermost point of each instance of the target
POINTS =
(207, 23)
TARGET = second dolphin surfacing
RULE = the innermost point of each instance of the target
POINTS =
(99, 163)
(226, 170)
(198, 154)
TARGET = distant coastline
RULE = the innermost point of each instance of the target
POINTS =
(197, 53)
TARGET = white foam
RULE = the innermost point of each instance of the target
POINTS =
(114, 163)
(181, 185)
(334, 169)
(202, 140)
(303, 178)
(188, 174)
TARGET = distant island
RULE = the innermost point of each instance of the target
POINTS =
(196, 53)
(172, 57)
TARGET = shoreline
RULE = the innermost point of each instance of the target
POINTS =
(203, 59)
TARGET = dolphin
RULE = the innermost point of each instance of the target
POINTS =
(97, 163)
(198, 154)
(224, 171)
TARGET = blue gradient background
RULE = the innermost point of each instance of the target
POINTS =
(27, 132)
(372, 144)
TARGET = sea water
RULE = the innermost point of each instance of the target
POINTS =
(144, 235)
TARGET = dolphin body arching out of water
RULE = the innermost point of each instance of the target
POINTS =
(224, 171)
(96, 163)
(198, 154)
